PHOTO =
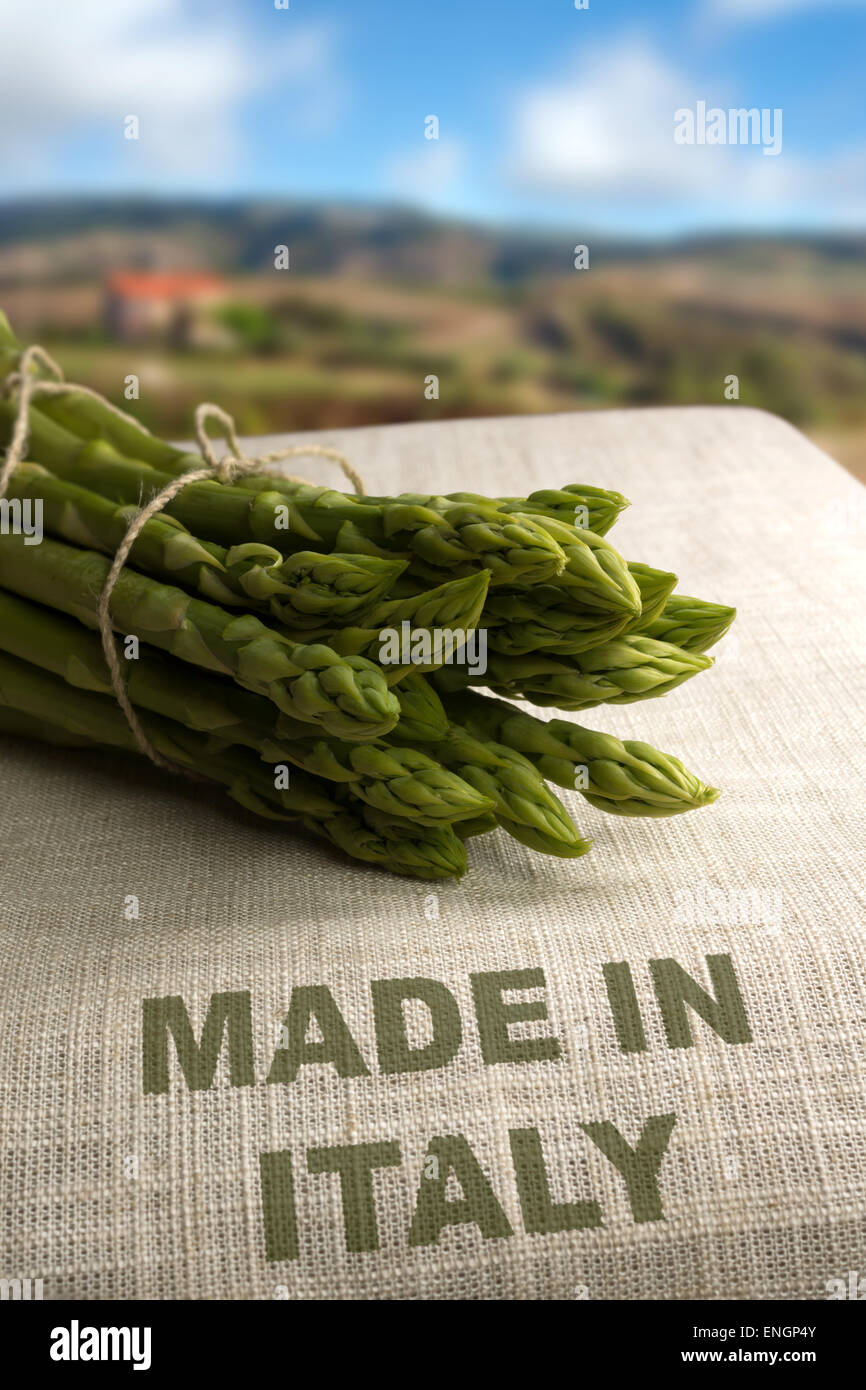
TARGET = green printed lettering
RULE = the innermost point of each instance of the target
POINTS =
(494, 1016)
(395, 1054)
(197, 1061)
(310, 1002)
(478, 1206)
(726, 1014)
(355, 1164)
(541, 1215)
(278, 1206)
(639, 1166)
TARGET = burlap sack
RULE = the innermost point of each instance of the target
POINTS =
(654, 1149)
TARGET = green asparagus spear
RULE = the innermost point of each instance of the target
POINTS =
(404, 781)
(517, 625)
(576, 504)
(691, 623)
(91, 419)
(628, 777)
(458, 537)
(457, 604)
(422, 717)
(302, 590)
(619, 672)
(516, 550)
(407, 848)
(420, 633)
(399, 781)
(20, 725)
(595, 575)
(347, 696)
(398, 846)
(437, 852)
(525, 806)
(81, 712)
(655, 587)
(522, 803)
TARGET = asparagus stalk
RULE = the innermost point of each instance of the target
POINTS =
(209, 510)
(576, 504)
(422, 716)
(347, 696)
(90, 419)
(656, 587)
(460, 539)
(518, 625)
(304, 590)
(438, 853)
(525, 806)
(524, 620)
(431, 628)
(459, 604)
(522, 803)
(691, 623)
(619, 672)
(628, 778)
(403, 781)
(20, 725)
(57, 714)
(457, 537)
(595, 575)
(82, 713)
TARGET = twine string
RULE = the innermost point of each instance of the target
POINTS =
(236, 463)
(232, 465)
(28, 385)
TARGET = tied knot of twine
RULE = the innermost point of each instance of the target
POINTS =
(28, 383)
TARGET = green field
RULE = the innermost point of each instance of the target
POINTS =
(331, 343)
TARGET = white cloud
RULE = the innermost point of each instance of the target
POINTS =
(427, 174)
(74, 71)
(769, 9)
(602, 129)
(604, 126)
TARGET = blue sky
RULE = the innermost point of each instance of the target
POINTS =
(546, 114)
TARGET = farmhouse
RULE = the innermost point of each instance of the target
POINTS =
(174, 306)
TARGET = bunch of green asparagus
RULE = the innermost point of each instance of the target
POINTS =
(252, 621)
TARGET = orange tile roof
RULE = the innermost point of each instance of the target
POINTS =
(144, 284)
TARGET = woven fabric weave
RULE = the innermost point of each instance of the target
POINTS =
(108, 1192)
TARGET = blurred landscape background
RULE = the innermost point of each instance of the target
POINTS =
(156, 153)
(185, 296)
